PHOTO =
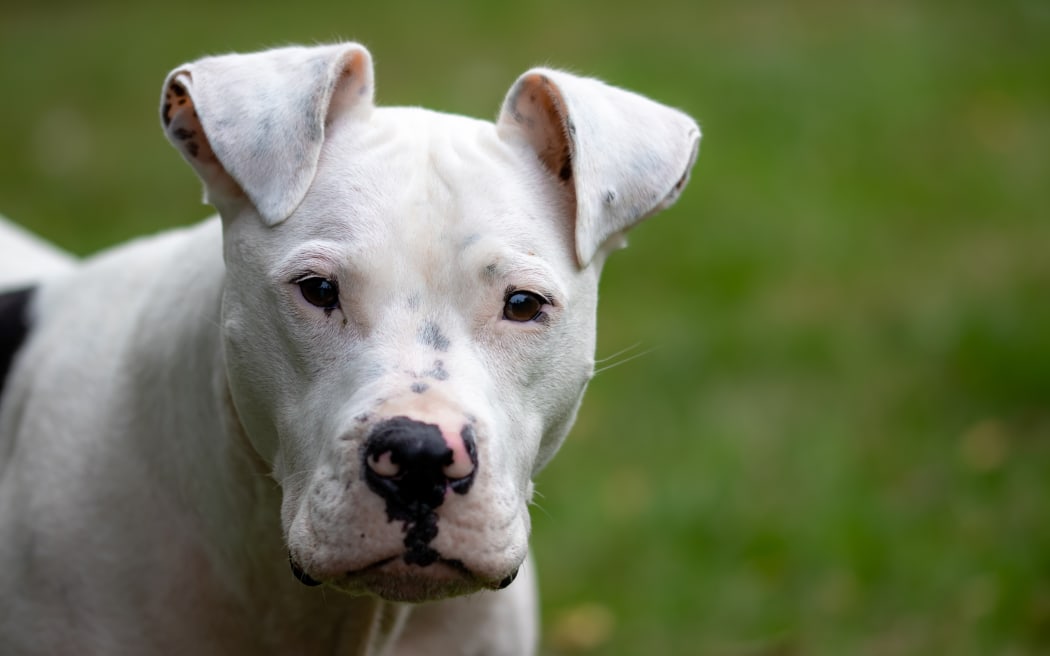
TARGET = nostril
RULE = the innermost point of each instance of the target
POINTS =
(384, 465)
(464, 464)
(458, 469)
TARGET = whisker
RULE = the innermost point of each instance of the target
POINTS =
(540, 508)
(624, 361)
(619, 353)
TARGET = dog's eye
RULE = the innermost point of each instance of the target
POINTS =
(321, 292)
(523, 306)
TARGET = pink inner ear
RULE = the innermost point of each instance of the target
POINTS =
(182, 124)
(352, 85)
(539, 109)
(183, 128)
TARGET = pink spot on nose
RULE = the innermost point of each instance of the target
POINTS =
(462, 464)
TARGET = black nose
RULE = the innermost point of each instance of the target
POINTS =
(408, 463)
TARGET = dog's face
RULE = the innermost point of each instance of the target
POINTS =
(410, 298)
(425, 276)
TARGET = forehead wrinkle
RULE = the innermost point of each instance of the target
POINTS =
(321, 256)
(515, 267)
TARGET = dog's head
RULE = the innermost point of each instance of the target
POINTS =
(409, 301)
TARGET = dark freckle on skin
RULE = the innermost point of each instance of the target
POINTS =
(438, 372)
(431, 335)
(566, 171)
(419, 388)
(490, 270)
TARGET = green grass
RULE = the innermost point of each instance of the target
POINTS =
(840, 442)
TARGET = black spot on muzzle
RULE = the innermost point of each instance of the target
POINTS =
(505, 583)
(301, 575)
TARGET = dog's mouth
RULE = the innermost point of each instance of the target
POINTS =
(402, 578)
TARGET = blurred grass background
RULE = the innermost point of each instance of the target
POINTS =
(840, 441)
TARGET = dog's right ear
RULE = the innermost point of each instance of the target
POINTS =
(252, 125)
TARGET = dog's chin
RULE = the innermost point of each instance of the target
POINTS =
(397, 580)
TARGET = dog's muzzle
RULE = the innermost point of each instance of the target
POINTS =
(412, 466)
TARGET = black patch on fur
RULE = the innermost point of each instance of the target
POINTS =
(14, 326)
(418, 538)
(419, 388)
(431, 335)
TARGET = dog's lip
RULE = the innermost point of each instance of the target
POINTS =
(394, 578)
(399, 560)
(382, 562)
(452, 563)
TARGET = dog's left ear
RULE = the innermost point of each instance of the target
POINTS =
(252, 125)
(619, 157)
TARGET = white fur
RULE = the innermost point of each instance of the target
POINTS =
(28, 258)
(182, 419)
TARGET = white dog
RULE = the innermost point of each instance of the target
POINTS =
(354, 373)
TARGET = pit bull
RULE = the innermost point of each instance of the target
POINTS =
(310, 425)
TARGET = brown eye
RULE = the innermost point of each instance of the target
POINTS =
(523, 306)
(321, 292)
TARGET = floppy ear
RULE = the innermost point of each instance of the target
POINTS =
(252, 125)
(621, 157)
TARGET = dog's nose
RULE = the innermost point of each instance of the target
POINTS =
(412, 464)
